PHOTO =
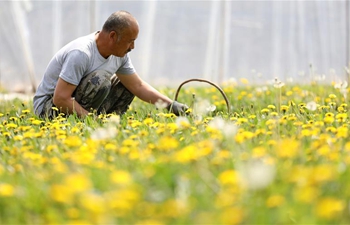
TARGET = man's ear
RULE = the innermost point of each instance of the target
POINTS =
(113, 35)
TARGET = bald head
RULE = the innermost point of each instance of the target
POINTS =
(118, 22)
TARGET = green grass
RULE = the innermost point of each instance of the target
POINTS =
(281, 156)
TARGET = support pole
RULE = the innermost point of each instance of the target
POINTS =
(22, 28)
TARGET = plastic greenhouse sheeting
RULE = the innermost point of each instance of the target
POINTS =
(178, 40)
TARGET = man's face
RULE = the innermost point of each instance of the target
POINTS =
(125, 42)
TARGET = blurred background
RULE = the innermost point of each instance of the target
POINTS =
(295, 41)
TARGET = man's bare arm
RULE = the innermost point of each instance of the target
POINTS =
(63, 100)
(142, 89)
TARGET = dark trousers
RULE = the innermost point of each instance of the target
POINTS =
(100, 92)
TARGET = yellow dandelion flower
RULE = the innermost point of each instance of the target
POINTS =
(331, 129)
(233, 215)
(265, 111)
(77, 182)
(342, 132)
(25, 111)
(274, 114)
(306, 194)
(324, 173)
(75, 130)
(259, 152)
(167, 143)
(252, 116)
(37, 122)
(284, 108)
(18, 138)
(11, 126)
(149, 222)
(73, 141)
(13, 118)
(172, 127)
(306, 133)
(61, 193)
(332, 96)
(120, 177)
(148, 121)
(93, 202)
(328, 119)
(134, 123)
(329, 207)
(130, 143)
(6, 190)
(287, 148)
(271, 107)
(143, 133)
(187, 154)
(6, 134)
(73, 213)
(122, 200)
(340, 109)
(341, 117)
(275, 201)
(323, 150)
(170, 115)
(243, 136)
(244, 81)
(229, 177)
(292, 117)
(110, 146)
(347, 146)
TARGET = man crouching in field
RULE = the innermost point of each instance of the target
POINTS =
(95, 72)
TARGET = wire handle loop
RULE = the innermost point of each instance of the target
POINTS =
(206, 81)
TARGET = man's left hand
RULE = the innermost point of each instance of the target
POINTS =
(177, 108)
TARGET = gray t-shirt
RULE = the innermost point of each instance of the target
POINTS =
(74, 61)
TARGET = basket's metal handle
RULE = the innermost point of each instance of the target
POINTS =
(206, 81)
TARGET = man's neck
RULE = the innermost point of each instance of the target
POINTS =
(99, 38)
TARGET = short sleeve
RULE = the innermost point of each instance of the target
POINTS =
(74, 66)
(126, 66)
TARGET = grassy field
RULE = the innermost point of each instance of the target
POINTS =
(280, 156)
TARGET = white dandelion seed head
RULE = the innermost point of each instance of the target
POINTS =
(341, 85)
(160, 104)
(227, 128)
(201, 107)
(211, 108)
(277, 83)
(256, 174)
(232, 80)
(104, 133)
(181, 121)
(113, 120)
(312, 106)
